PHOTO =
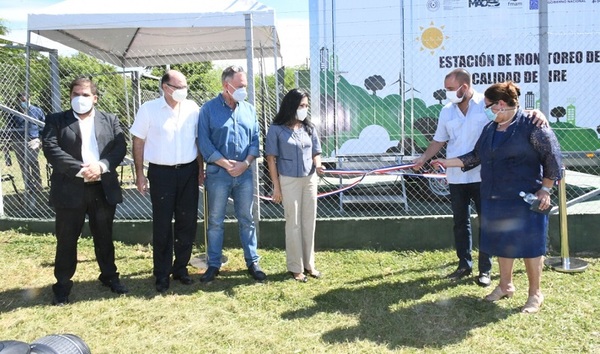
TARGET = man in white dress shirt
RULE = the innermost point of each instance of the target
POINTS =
(164, 135)
(460, 123)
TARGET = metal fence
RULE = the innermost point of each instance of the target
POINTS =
(368, 117)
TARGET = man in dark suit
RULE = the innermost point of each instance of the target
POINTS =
(84, 147)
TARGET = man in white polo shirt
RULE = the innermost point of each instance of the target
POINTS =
(164, 135)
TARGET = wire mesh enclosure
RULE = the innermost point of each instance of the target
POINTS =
(374, 100)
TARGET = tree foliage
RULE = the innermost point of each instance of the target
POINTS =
(110, 83)
(13, 74)
(203, 79)
(266, 103)
(3, 28)
(117, 90)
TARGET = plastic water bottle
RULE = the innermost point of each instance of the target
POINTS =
(528, 197)
(535, 203)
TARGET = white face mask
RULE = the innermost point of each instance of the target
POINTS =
(452, 96)
(301, 114)
(179, 95)
(82, 104)
(239, 94)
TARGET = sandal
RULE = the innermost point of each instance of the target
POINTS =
(299, 277)
(313, 273)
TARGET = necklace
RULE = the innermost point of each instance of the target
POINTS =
(503, 123)
(509, 120)
(298, 135)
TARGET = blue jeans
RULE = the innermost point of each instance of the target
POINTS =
(461, 196)
(220, 186)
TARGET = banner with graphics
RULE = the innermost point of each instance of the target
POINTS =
(378, 67)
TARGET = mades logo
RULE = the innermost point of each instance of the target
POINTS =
(484, 3)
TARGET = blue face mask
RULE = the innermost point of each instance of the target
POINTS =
(23, 105)
(490, 115)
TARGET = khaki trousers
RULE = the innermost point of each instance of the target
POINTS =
(300, 210)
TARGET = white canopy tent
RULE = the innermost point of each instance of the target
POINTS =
(140, 33)
(136, 33)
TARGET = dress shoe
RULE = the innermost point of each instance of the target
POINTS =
(459, 274)
(533, 304)
(313, 273)
(299, 277)
(256, 272)
(498, 294)
(60, 300)
(484, 279)
(162, 285)
(115, 286)
(185, 279)
(209, 275)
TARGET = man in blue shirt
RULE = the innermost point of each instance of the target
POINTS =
(26, 145)
(228, 140)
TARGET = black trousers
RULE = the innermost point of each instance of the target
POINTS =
(68, 227)
(174, 195)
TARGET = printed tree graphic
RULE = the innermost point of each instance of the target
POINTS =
(374, 83)
(439, 95)
(558, 113)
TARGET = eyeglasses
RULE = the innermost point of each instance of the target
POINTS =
(176, 87)
(491, 104)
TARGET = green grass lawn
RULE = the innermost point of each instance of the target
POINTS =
(367, 302)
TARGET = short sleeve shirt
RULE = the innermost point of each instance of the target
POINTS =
(293, 150)
(461, 132)
(169, 134)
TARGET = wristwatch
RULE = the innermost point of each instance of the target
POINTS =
(546, 189)
(247, 163)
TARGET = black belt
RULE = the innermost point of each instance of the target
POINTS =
(172, 167)
(93, 183)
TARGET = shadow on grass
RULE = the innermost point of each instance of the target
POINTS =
(140, 285)
(81, 260)
(391, 314)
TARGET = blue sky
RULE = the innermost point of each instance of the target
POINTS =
(291, 17)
